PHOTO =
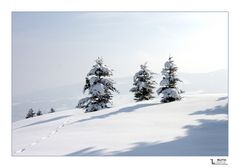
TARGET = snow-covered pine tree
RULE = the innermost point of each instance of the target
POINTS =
(30, 113)
(143, 84)
(168, 85)
(99, 86)
(51, 110)
(39, 113)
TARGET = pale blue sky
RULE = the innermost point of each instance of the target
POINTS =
(54, 49)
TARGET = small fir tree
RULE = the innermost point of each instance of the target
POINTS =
(143, 84)
(168, 85)
(99, 86)
(52, 110)
(39, 113)
(30, 113)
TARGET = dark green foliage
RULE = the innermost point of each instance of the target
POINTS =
(143, 84)
(30, 113)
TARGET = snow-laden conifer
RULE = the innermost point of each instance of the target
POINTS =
(99, 86)
(30, 113)
(51, 110)
(143, 84)
(168, 86)
(39, 113)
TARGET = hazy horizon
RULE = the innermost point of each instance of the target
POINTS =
(157, 78)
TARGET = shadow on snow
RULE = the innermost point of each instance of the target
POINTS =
(90, 151)
(207, 139)
(215, 111)
(45, 121)
(122, 110)
(210, 138)
(222, 98)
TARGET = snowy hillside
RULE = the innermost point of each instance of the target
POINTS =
(66, 97)
(195, 126)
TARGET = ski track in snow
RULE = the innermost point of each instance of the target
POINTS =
(67, 121)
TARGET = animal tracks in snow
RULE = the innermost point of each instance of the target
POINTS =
(44, 137)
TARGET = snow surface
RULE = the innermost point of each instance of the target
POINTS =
(195, 126)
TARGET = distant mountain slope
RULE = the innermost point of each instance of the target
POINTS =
(213, 82)
(66, 97)
(195, 126)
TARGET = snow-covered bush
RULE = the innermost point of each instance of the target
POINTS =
(30, 113)
(99, 86)
(143, 84)
(168, 85)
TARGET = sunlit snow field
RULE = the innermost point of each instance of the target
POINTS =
(195, 126)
